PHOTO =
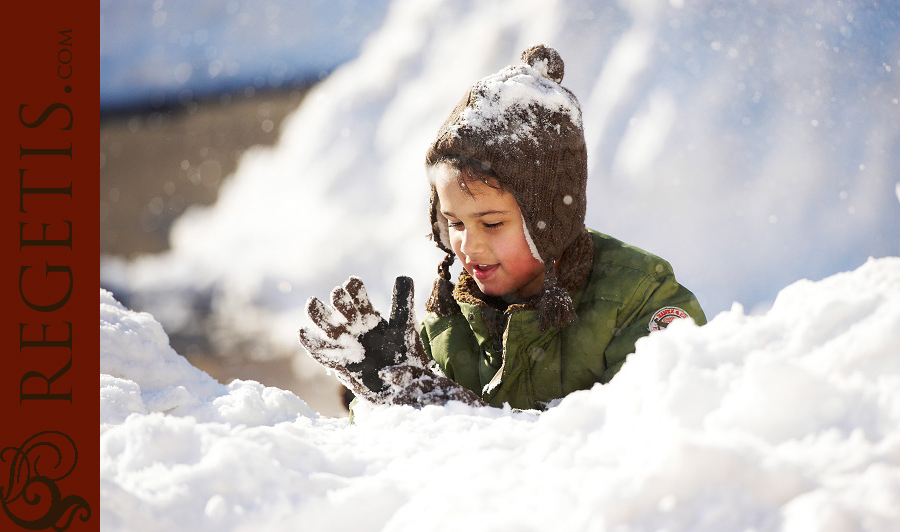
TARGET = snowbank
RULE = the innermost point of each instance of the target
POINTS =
(140, 373)
(784, 421)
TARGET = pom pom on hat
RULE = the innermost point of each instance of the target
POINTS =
(546, 61)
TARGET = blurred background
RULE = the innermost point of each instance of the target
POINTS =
(185, 89)
(255, 153)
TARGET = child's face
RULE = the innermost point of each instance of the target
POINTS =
(487, 236)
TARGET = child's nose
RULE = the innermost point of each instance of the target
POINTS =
(472, 244)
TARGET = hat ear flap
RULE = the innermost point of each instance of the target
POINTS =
(440, 232)
(441, 300)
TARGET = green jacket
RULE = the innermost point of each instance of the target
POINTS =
(628, 293)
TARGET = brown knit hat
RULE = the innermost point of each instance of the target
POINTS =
(526, 128)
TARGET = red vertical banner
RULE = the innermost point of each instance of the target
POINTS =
(49, 466)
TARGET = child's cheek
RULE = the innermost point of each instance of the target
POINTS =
(455, 240)
(455, 245)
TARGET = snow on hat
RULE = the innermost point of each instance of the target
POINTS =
(526, 128)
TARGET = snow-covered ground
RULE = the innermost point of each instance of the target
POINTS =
(787, 420)
(751, 144)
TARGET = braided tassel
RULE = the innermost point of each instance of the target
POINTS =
(441, 301)
(555, 307)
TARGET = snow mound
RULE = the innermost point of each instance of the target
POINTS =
(141, 374)
(784, 421)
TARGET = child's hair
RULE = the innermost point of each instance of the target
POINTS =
(468, 170)
(520, 130)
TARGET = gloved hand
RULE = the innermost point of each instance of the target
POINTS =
(418, 387)
(382, 361)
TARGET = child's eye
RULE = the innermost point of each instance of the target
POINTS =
(493, 225)
(454, 224)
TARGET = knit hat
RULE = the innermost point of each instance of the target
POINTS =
(526, 128)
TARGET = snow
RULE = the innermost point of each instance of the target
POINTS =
(521, 87)
(140, 373)
(785, 420)
(752, 145)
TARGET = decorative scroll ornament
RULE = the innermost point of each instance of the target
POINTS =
(31, 498)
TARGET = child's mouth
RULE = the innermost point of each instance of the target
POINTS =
(483, 271)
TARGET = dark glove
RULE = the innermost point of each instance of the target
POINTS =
(380, 360)
(418, 387)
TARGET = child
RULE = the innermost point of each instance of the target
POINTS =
(543, 306)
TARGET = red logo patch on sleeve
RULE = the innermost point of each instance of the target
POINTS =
(664, 316)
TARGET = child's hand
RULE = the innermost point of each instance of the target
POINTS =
(418, 387)
(380, 360)
(353, 339)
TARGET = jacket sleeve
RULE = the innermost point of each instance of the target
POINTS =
(426, 341)
(655, 303)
